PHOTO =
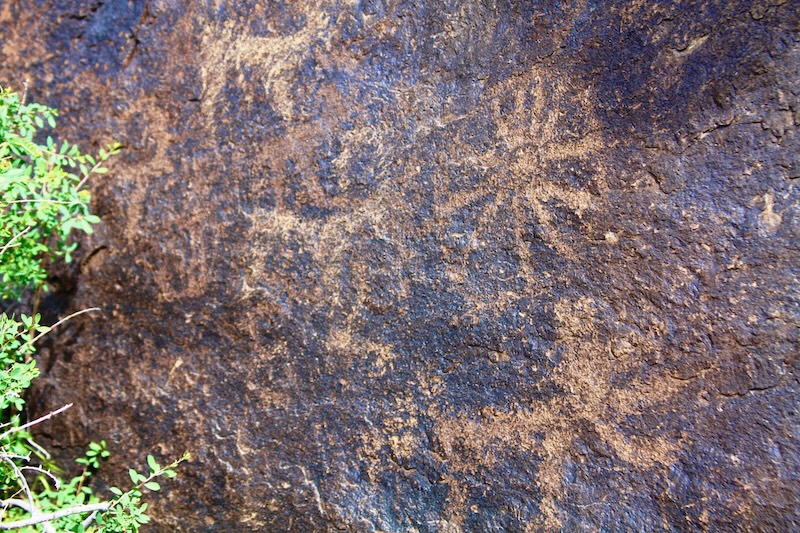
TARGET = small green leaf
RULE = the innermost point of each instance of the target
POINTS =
(116, 491)
(152, 485)
(151, 462)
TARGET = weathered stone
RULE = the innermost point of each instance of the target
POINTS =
(435, 266)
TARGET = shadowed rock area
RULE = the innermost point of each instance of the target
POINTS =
(434, 266)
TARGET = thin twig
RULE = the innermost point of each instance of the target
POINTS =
(44, 453)
(43, 472)
(49, 517)
(15, 237)
(86, 523)
(22, 482)
(39, 201)
(73, 315)
(11, 498)
(34, 422)
(48, 527)
(14, 456)
(83, 478)
(97, 165)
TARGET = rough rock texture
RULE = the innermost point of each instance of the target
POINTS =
(435, 266)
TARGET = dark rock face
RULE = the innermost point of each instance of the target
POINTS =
(436, 266)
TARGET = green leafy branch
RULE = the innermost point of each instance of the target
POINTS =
(63, 505)
(42, 201)
(42, 204)
(127, 512)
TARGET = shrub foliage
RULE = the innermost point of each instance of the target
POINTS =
(43, 205)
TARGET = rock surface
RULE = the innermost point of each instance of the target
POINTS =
(435, 266)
